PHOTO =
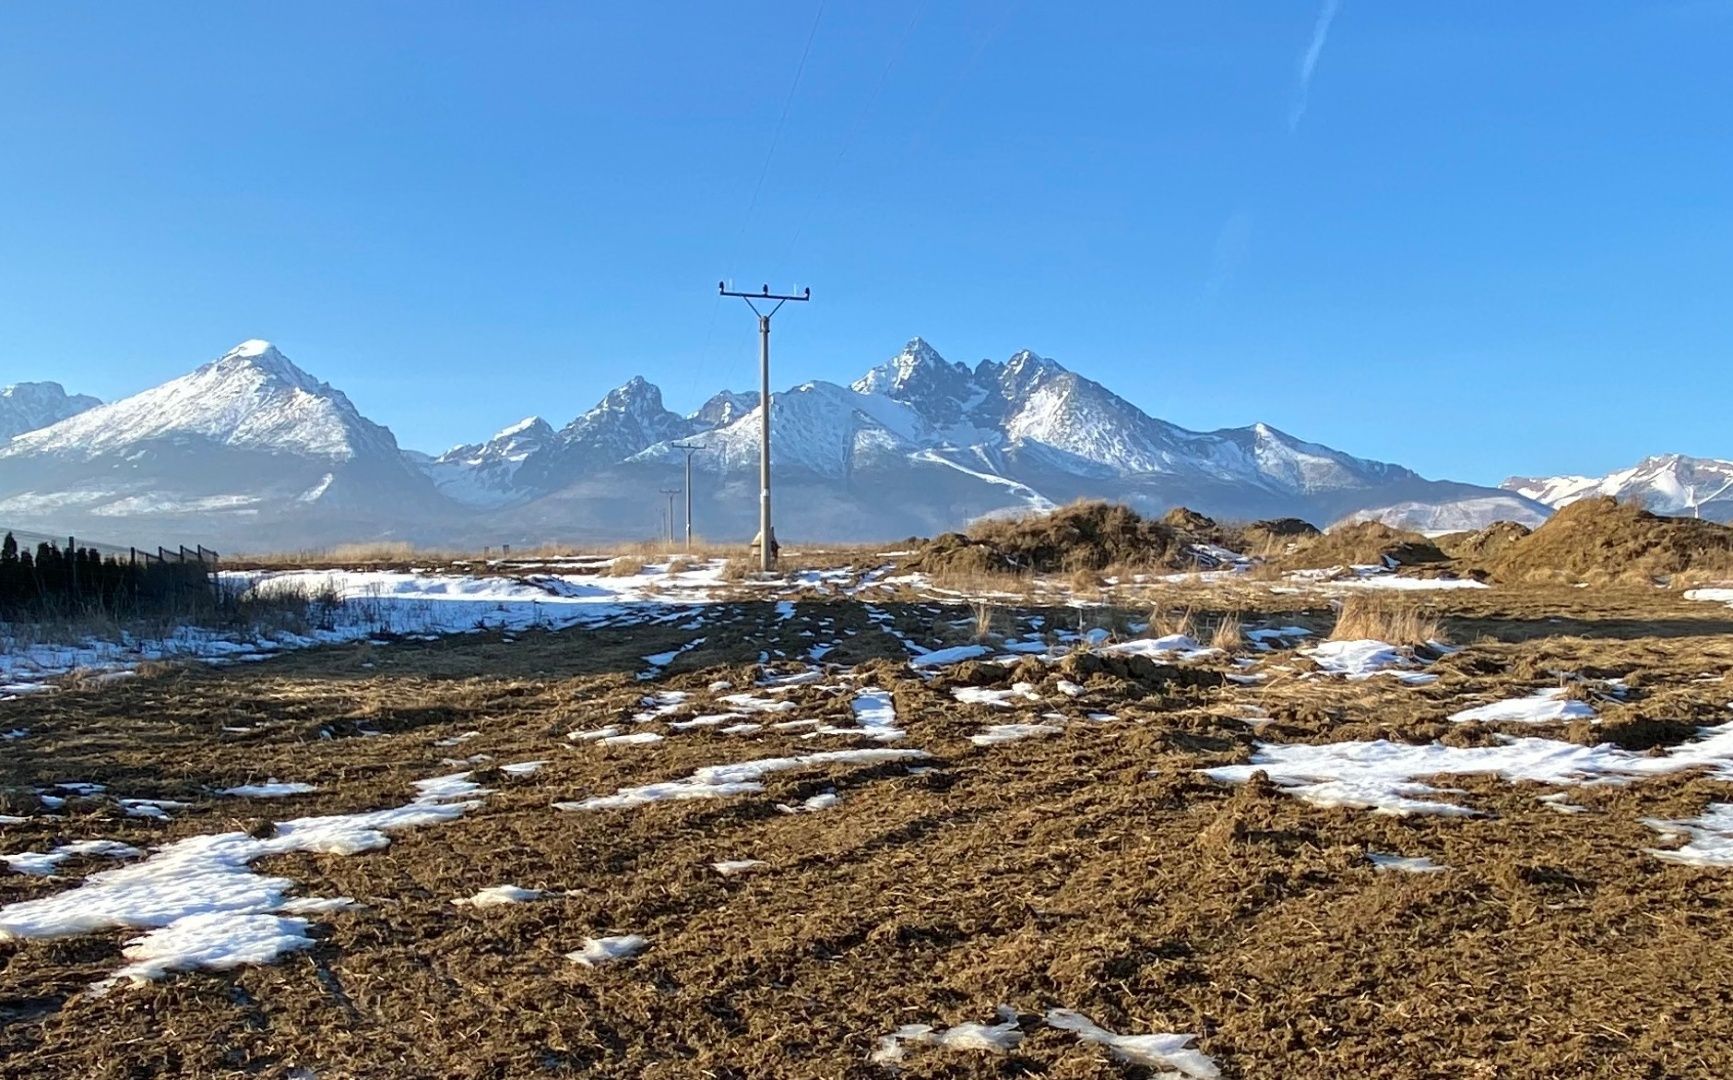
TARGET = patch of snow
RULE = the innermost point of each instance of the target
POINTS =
(271, 789)
(736, 867)
(1404, 864)
(201, 900)
(1172, 1053)
(954, 655)
(603, 950)
(1000, 1038)
(1545, 706)
(1383, 776)
(43, 863)
(1709, 838)
(1004, 733)
(499, 895)
(739, 778)
(636, 738)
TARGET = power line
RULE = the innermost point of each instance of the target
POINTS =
(766, 535)
(854, 130)
(787, 104)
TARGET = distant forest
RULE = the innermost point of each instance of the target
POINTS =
(51, 582)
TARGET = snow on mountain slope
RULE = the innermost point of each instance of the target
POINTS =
(483, 474)
(723, 408)
(626, 421)
(251, 446)
(31, 405)
(245, 448)
(1668, 484)
(819, 428)
(251, 397)
(1455, 515)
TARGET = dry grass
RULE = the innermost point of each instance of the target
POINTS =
(1164, 623)
(985, 614)
(1227, 635)
(624, 566)
(1364, 617)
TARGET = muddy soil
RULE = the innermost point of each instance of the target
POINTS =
(1091, 869)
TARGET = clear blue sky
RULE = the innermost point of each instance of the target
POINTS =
(1476, 238)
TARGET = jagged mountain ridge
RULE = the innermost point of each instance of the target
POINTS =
(1666, 484)
(28, 406)
(250, 450)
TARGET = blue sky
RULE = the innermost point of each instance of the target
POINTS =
(1476, 238)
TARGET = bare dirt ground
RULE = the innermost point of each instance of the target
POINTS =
(1091, 868)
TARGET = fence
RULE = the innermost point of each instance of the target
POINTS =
(40, 577)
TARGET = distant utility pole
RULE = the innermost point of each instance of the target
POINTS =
(690, 449)
(766, 536)
(670, 492)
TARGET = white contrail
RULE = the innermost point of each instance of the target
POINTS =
(1309, 61)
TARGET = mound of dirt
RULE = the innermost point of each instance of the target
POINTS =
(1603, 539)
(1082, 536)
(1364, 543)
(1479, 546)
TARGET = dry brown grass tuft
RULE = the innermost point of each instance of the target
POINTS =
(624, 566)
(1227, 635)
(984, 617)
(1164, 623)
(1377, 618)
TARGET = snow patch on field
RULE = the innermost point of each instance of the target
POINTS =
(739, 778)
(1416, 864)
(736, 867)
(43, 863)
(604, 950)
(1546, 706)
(999, 734)
(1709, 838)
(1383, 776)
(1363, 659)
(1172, 1053)
(1000, 1038)
(202, 902)
(498, 896)
(270, 789)
(956, 654)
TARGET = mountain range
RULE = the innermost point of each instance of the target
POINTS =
(249, 452)
(1670, 484)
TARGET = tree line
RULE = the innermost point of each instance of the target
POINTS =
(52, 582)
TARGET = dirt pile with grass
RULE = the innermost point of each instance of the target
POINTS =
(1363, 543)
(1081, 537)
(1476, 547)
(1275, 536)
(1602, 540)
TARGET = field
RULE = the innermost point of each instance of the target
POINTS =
(856, 823)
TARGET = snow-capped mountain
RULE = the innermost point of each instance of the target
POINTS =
(629, 419)
(250, 451)
(1668, 484)
(246, 445)
(1456, 515)
(31, 405)
(484, 474)
(725, 407)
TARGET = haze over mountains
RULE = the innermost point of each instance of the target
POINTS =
(249, 452)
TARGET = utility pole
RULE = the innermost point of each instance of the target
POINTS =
(690, 449)
(766, 535)
(670, 492)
